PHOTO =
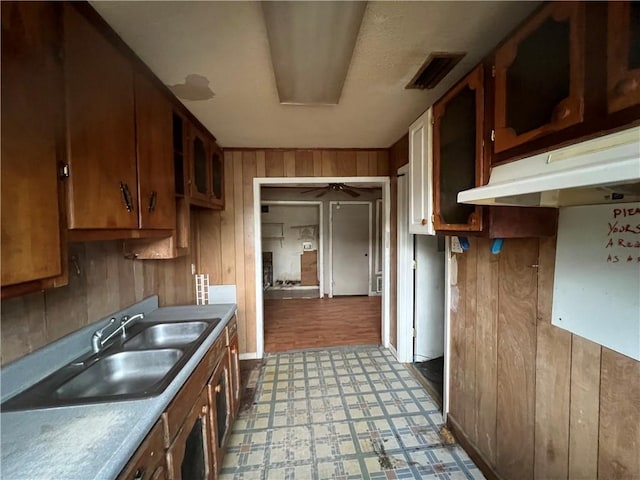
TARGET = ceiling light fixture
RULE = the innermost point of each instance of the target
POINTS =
(311, 47)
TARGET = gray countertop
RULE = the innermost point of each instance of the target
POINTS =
(94, 441)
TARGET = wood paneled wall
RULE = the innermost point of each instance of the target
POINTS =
(534, 400)
(225, 246)
(101, 281)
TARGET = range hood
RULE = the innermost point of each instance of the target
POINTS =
(601, 170)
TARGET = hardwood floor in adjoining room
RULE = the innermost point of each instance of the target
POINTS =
(295, 324)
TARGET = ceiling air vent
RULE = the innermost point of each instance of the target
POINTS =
(434, 69)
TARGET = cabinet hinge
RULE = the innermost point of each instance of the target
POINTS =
(493, 71)
(493, 135)
(413, 332)
(63, 170)
(414, 265)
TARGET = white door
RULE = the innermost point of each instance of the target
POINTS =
(404, 304)
(350, 247)
(429, 299)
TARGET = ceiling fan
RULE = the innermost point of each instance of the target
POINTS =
(336, 187)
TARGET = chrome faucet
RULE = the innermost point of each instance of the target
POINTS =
(97, 342)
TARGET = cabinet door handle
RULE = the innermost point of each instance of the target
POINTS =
(126, 196)
(626, 86)
(158, 473)
(205, 409)
(152, 201)
(234, 350)
(139, 474)
(218, 388)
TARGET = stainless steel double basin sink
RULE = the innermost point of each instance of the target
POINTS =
(140, 364)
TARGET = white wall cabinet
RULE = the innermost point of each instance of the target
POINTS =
(421, 176)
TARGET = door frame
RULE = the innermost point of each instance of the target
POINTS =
(317, 203)
(258, 183)
(405, 295)
(404, 274)
(349, 202)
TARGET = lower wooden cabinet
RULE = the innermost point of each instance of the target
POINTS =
(189, 456)
(148, 463)
(219, 390)
(194, 429)
(234, 372)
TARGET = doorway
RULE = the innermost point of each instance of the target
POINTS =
(292, 249)
(350, 247)
(319, 184)
(421, 298)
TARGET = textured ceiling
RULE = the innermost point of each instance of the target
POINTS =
(226, 43)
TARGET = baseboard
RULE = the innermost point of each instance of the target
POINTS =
(249, 356)
(393, 350)
(471, 450)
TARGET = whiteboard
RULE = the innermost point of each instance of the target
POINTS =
(596, 292)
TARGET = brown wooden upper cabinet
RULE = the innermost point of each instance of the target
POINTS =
(119, 137)
(623, 55)
(102, 188)
(207, 174)
(458, 160)
(154, 135)
(539, 76)
(32, 142)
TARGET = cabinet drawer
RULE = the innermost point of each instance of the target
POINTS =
(179, 408)
(148, 461)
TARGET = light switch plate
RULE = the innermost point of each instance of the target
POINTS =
(306, 245)
(455, 245)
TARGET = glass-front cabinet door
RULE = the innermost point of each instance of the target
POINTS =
(220, 401)
(539, 76)
(458, 153)
(216, 169)
(623, 55)
(189, 457)
(200, 187)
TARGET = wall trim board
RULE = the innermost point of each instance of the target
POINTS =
(468, 447)
(258, 183)
(249, 356)
(449, 275)
(393, 350)
(303, 149)
(378, 250)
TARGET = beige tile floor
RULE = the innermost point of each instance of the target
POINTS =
(345, 413)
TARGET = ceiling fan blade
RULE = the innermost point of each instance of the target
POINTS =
(348, 191)
(322, 194)
(315, 189)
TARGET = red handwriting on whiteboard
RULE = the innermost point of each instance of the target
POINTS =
(623, 232)
(625, 212)
(623, 243)
(617, 259)
(625, 228)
